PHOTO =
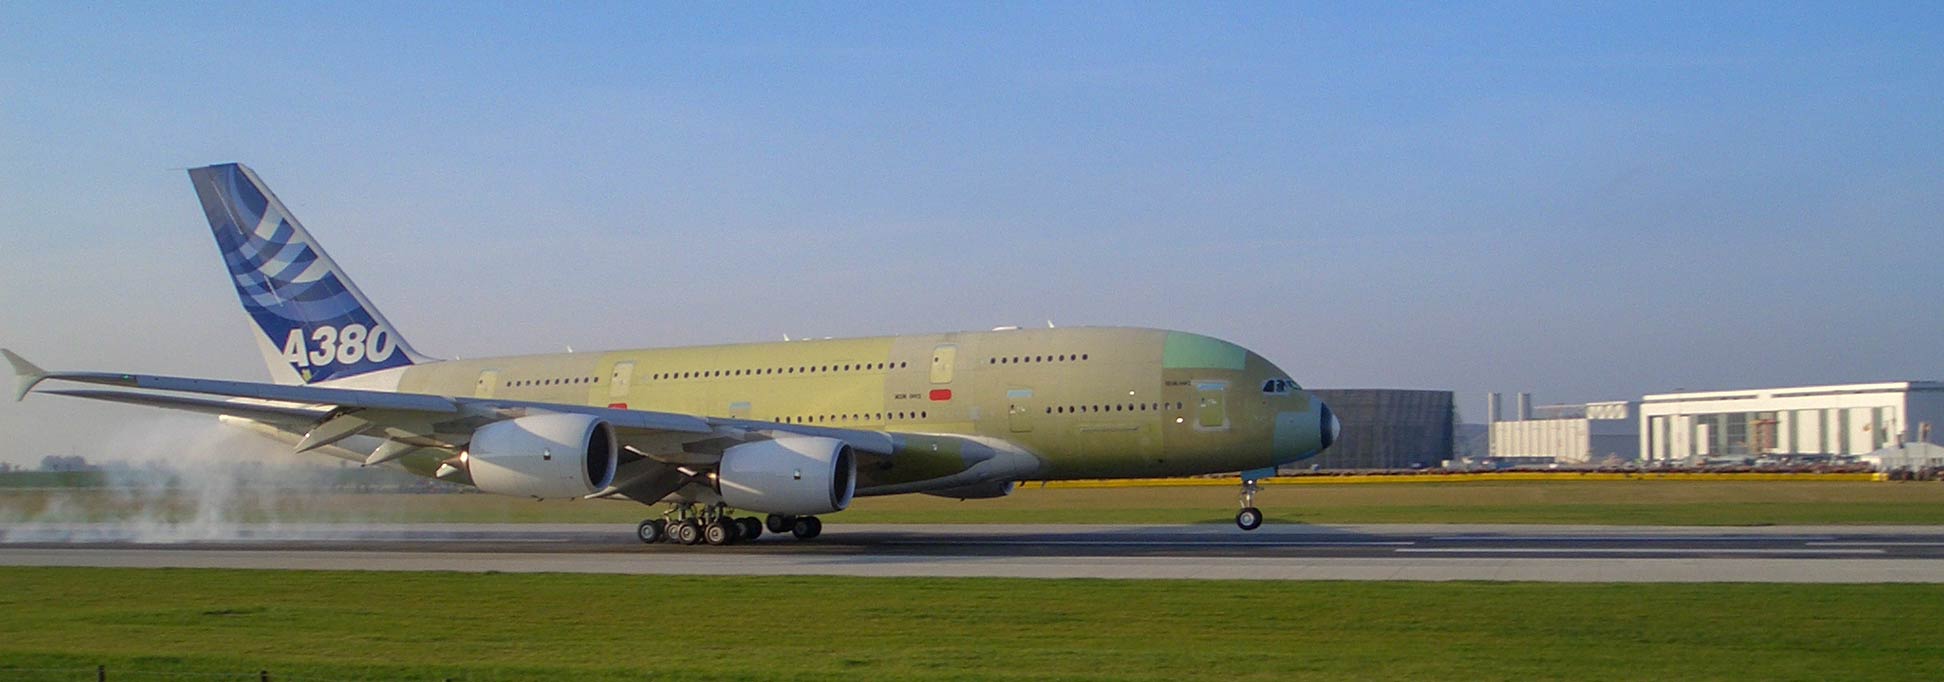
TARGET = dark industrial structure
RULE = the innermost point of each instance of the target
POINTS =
(1388, 429)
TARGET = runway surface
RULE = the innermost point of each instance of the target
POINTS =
(1837, 554)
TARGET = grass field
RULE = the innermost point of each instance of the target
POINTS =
(1598, 502)
(432, 626)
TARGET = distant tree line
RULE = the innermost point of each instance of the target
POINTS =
(66, 463)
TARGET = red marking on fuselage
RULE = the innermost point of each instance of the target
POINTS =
(618, 406)
(941, 394)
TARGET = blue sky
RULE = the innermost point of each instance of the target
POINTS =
(1587, 201)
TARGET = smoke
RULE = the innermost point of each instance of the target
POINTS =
(179, 478)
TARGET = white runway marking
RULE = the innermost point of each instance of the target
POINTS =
(1628, 550)
(1875, 543)
(1062, 542)
(1636, 538)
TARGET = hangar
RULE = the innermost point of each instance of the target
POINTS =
(1804, 421)
(1574, 433)
(1387, 428)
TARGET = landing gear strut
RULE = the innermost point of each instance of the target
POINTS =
(1250, 517)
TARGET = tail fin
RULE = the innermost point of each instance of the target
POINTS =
(314, 324)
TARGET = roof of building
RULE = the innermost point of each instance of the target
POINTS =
(1799, 391)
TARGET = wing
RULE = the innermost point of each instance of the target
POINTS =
(659, 442)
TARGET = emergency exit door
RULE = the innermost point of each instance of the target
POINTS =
(621, 380)
(941, 367)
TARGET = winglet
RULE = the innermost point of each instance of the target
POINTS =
(26, 374)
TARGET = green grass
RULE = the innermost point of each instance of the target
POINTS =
(431, 626)
(1593, 502)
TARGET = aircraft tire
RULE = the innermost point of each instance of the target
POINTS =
(1250, 518)
(651, 531)
(779, 523)
(806, 527)
(688, 533)
(752, 527)
(719, 533)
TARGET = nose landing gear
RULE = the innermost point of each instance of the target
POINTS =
(1250, 517)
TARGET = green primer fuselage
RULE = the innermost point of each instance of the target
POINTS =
(1089, 402)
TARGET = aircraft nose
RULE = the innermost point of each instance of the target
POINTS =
(1305, 433)
(1331, 426)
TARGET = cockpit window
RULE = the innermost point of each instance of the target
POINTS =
(1278, 386)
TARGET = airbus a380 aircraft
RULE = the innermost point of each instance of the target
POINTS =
(791, 430)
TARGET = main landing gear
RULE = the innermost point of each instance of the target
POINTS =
(803, 527)
(692, 524)
(1250, 517)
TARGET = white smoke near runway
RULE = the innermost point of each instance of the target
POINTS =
(179, 478)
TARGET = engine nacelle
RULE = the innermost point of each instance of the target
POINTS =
(794, 475)
(543, 455)
(976, 491)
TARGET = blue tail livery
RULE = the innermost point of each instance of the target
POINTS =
(314, 324)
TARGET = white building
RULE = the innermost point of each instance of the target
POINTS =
(1848, 419)
(1567, 434)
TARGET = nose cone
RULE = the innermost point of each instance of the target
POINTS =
(1331, 426)
(1306, 432)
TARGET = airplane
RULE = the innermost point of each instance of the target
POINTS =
(791, 430)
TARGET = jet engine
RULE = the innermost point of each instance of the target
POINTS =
(543, 455)
(795, 476)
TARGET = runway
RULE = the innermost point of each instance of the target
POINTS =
(1822, 554)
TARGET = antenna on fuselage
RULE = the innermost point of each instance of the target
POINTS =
(1049, 324)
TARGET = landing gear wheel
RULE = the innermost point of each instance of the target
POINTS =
(779, 523)
(806, 527)
(651, 531)
(719, 533)
(752, 527)
(688, 533)
(1249, 518)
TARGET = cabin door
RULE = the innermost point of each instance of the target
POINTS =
(488, 380)
(1019, 409)
(1211, 407)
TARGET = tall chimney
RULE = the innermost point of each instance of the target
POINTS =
(1492, 405)
(1525, 406)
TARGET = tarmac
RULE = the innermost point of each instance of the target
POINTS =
(1796, 554)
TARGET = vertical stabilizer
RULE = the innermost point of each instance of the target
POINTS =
(313, 324)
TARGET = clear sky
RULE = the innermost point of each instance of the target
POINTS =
(1586, 201)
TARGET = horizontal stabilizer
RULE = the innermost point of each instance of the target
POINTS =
(26, 374)
(244, 389)
(256, 411)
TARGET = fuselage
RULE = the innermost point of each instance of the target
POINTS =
(1089, 402)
